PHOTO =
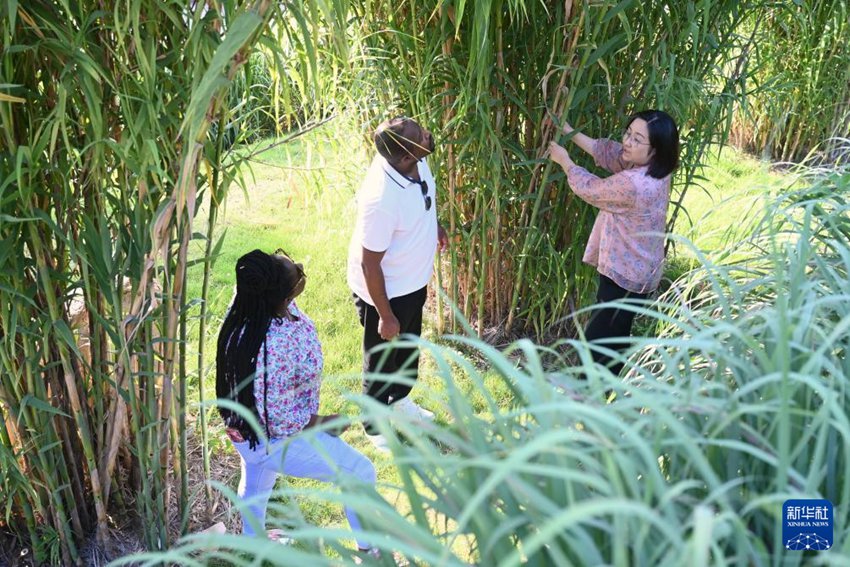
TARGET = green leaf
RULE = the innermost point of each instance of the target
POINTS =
(213, 79)
(41, 405)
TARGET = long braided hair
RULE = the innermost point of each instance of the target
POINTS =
(262, 285)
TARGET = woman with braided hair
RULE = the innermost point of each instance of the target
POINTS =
(269, 361)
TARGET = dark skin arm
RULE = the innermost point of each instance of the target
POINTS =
(317, 420)
(388, 325)
(442, 238)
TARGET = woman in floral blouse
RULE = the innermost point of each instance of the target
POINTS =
(269, 361)
(626, 245)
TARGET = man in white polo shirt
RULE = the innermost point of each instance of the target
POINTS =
(391, 259)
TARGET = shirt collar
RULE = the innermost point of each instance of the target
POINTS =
(394, 175)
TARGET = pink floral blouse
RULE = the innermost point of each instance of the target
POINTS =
(295, 374)
(627, 240)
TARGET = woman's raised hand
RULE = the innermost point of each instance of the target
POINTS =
(559, 155)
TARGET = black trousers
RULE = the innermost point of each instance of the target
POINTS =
(394, 360)
(610, 323)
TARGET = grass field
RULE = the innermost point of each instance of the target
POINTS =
(731, 189)
(301, 199)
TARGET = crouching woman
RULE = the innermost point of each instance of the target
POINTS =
(269, 360)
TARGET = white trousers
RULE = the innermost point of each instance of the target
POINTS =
(320, 457)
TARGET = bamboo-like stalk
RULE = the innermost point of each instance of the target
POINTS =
(71, 385)
(100, 218)
(205, 286)
(613, 57)
(537, 187)
(179, 430)
(798, 77)
(449, 180)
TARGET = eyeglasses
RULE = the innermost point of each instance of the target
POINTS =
(628, 135)
(298, 268)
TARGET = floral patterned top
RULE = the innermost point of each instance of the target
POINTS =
(295, 374)
(627, 240)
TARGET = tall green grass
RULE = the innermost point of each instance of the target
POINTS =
(489, 78)
(740, 404)
(113, 128)
(801, 73)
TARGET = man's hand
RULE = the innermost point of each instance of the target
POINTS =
(442, 238)
(388, 327)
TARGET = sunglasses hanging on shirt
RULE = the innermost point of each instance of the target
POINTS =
(423, 186)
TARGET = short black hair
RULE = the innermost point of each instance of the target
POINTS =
(664, 140)
(391, 140)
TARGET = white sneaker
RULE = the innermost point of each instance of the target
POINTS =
(410, 408)
(380, 442)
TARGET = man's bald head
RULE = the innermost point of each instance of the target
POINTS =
(402, 137)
